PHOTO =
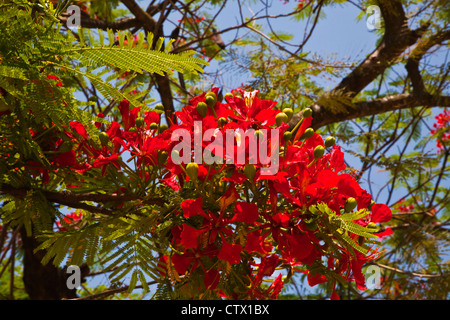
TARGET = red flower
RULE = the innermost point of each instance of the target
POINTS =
(381, 213)
(245, 212)
(192, 207)
(230, 253)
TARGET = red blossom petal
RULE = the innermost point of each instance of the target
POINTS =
(381, 213)
(245, 212)
(189, 236)
(192, 207)
(230, 253)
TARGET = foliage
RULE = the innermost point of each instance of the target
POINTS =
(86, 163)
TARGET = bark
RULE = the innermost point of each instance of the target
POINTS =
(42, 282)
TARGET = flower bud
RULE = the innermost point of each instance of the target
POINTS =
(222, 121)
(307, 113)
(163, 127)
(287, 135)
(329, 142)
(153, 126)
(372, 225)
(258, 134)
(289, 112)
(159, 108)
(228, 95)
(202, 109)
(192, 171)
(249, 171)
(104, 138)
(318, 152)
(211, 99)
(307, 134)
(350, 204)
(280, 118)
(162, 156)
(139, 122)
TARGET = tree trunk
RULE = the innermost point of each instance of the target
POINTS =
(42, 282)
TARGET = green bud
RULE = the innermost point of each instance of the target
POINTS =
(280, 118)
(153, 126)
(222, 121)
(202, 109)
(371, 204)
(287, 135)
(307, 113)
(329, 142)
(289, 112)
(162, 128)
(104, 138)
(318, 152)
(250, 171)
(258, 134)
(162, 156)
(192, 171)
(211, 100)
(228, 95)
(139, 122)
(307, 134)
(159, 108)
(372, 225)
(350, 204)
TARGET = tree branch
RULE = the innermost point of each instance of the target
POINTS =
(322, 116)
(74, 200)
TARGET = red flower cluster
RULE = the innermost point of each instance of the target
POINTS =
(236, 218)
(274, 227)
(442, 128)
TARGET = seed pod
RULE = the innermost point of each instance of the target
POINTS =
(280, 118)
(287, 136)
(192, 171)
(139, 122)
(329, 142)
(249, 171)
(350, 204)
(159, 108)
(307, 113)
(289, 112)
(153, 126)
(202, 109)
(307, 134)
(104, 138)
(318, 152)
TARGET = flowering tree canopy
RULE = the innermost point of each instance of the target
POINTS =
(234, 193)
